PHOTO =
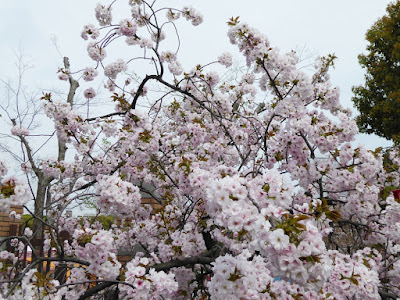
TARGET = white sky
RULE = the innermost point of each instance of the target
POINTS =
(318, 26)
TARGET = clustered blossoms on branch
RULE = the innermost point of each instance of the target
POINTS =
(190, 14)
(89, 93)
(13, 191)
(225, 59)
(103, 14)
(89, 74)
(257, 190)
(19, 131)
(90, 31)
(127, 27)
(113, 69)
(117, 197)
(96, 52)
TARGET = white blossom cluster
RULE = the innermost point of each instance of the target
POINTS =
(98, 248)
(96, 52)
(89, 93)
(89, 74)
(225, 59)
(19, 131)
(127, 27)
(113, 69)
(13, 191)
(192, 15)
(90, 30)
(117, 197)
(148, 285)
(103, 14)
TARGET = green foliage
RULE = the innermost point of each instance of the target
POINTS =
(378, 101)
(27, 220)
(104, 220)
(292, 227)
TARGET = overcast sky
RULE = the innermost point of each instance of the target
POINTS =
(319, 27)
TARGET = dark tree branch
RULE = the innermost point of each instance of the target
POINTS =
(97, 288)
(189, 261)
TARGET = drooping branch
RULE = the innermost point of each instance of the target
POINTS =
(140, 89)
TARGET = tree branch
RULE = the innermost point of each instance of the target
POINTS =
(189, 261)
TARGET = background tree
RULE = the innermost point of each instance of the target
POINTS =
(378, 100)
(27, 141)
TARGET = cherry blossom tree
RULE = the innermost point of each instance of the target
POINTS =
(262, 194)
